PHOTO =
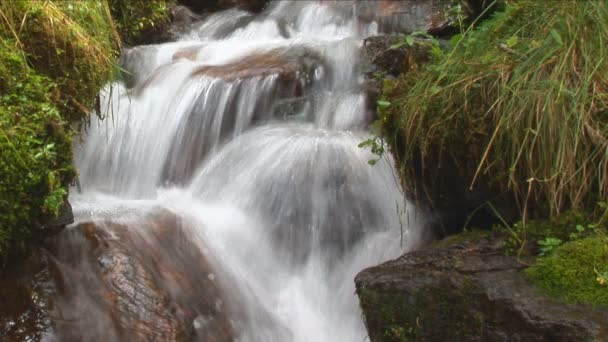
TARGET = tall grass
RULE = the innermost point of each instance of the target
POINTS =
(72, 42)
(520, 106)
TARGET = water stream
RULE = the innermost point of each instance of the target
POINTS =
(246, 129)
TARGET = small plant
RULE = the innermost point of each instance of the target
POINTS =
(602, 277)
(376, 145)
(548, 245)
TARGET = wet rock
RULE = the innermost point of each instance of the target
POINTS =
(25, 305)
(145, 281)
(287, 64)
(389, 57)
(437, 17)
(467, 290)
(57, 224)
(248, 91)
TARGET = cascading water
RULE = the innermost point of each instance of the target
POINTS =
(245, 129)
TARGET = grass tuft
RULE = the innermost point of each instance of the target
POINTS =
(520, 104)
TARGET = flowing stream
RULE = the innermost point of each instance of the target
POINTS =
(246, 130)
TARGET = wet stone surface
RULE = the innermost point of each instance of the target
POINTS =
(468, 291)
(25, 306)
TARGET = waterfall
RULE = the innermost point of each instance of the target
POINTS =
(236, 145)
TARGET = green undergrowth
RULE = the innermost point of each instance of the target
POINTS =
(36, 158)
(136, 19)
(519, 106)
(576, 271)
(54, 58)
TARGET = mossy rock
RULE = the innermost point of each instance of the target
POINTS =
(468, 289)
(574, 271)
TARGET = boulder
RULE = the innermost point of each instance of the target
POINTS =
(243, 93)
(143, 281)
(468, 290)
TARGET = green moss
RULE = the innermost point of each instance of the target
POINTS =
(571, 272)
(437, 312)
(54, 58)
(518, 107)
(36, 158)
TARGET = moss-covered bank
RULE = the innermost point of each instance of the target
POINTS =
(54, 58)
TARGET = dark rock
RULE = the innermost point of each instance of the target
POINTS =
(144, 282)
(468, 291)
(25, 305)
(57, 224)
(437, 17)
(388, 57)
(292, 72)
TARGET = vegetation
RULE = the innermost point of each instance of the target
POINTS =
(575, 271)
(54, 58)
(136, 19)
(519, 104)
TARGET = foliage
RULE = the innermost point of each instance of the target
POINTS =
(521, 104)
(36, 153)
(575, 271)
(136, 18)
(54, 58)
(71, 42)
(548, 245)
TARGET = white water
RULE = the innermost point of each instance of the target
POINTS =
(263, 166)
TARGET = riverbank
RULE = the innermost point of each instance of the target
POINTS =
(504, 130)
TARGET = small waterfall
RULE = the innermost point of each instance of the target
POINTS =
(228, 166)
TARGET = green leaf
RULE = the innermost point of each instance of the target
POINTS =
(511, 42)
(398, 45)
(455, 40)
(409, 40)
(557, 37)
(383, 103)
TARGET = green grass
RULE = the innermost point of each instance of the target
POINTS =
(572, 271)
(520, 106)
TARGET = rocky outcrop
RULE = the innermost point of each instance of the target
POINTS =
(467, 290)
(389, 57)
(281, 77)
(393, 56)
(145, 281)
(437, 17)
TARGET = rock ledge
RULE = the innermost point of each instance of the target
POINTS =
(467, 291)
